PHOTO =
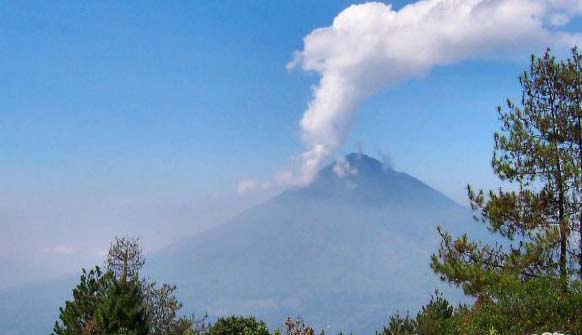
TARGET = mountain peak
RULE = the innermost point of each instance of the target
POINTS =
(352, 166)
(360, 179)
(364, 162)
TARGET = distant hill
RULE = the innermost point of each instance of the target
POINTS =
(343, 253)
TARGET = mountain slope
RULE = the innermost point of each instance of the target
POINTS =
(342, 252)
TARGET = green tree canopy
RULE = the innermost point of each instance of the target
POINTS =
(122, 309)
(238, 325)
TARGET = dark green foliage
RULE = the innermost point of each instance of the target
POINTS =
(399, 325)
(77, 317)
(435, 318)
(536, 306)
(122, 309)
(238, 325)
(438, 317)
(544, 304)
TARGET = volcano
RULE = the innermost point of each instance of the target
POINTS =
(342, 252)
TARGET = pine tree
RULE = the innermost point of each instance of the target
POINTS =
(122, 310)
(573, 86)
(538, 150)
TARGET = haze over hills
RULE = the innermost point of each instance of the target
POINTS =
(343, 252)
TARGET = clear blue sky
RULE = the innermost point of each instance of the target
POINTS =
(132, 116)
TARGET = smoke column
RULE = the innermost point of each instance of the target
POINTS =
(372, 46)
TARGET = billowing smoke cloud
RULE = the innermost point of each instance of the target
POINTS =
(371, 46)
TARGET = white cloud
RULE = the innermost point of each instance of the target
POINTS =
(371, 46)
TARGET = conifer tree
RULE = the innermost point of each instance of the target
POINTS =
(538, 150)
(573, 87)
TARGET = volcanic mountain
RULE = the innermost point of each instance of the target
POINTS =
(342, 253)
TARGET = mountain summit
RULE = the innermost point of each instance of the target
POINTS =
(362, 180)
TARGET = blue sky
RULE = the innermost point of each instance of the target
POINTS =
(119, 117)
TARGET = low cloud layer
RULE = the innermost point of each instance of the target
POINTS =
(372, 46)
